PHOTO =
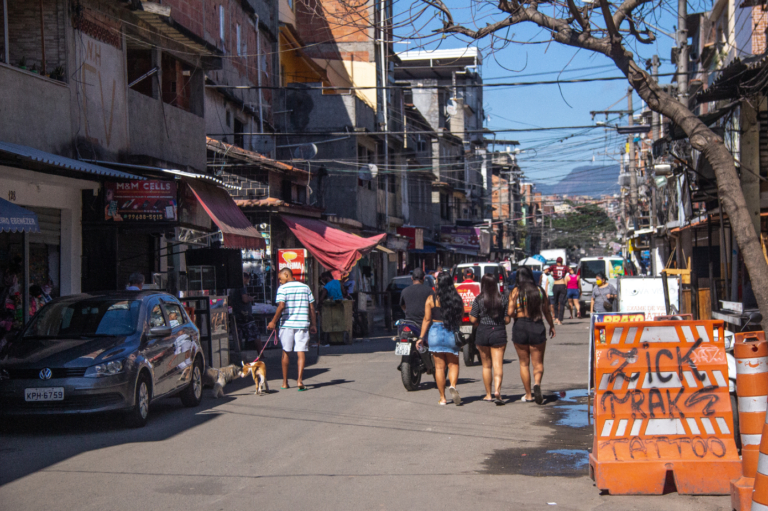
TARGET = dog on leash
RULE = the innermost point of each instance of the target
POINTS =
(258, 370)
(218, 378)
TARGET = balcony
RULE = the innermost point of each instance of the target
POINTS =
(166, 133)
(35, 111)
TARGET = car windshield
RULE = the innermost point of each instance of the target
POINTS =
(93, 317)
(401, 284)
(590, 269)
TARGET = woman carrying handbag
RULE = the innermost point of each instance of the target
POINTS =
(443, 312)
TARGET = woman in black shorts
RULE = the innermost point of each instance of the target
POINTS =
(527, 306)
(489, 315)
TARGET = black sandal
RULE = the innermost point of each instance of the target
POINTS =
(497, 399)
(537, 394)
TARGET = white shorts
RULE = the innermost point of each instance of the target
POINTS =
(293, 339)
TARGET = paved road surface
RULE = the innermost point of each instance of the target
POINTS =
(355, 440)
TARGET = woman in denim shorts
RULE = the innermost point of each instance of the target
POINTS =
(442, 315)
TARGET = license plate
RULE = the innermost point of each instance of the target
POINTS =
(403, 348)
(466, 329)
(44, 394)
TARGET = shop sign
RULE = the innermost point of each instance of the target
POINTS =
(398, 244)
(294, 259)
(460, 237)
(415, 238)
(140, 201)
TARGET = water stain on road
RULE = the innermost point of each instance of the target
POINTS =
(565, 453)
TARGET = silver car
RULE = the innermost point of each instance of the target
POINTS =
(116, 351)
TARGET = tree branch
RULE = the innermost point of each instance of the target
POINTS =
(577, 16)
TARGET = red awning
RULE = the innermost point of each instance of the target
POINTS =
(238, 231)
(333, 248)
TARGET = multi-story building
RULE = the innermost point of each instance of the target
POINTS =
(447, 90)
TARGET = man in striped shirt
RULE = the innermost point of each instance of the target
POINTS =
(296, 306)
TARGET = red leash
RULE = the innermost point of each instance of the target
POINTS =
(274, 333)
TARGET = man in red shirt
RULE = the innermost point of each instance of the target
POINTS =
(559, 272)
(469, 276)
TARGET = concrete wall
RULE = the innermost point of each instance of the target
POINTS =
(183, 143)
(34, 111)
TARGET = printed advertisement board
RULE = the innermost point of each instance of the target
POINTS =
(468, 292)
(460, 237)
(140, 201)
(295, 259)
(646, 295)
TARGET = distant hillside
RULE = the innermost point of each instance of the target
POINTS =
(594, 180)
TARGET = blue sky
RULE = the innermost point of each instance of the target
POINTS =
(548, 155)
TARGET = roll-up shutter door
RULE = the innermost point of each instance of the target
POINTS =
(50, 226)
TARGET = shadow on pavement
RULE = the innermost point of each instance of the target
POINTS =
(67, 436)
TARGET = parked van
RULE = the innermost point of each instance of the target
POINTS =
(613, 267)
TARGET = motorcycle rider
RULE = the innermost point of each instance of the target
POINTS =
(413, 298)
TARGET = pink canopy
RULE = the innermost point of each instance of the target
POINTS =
(335, 249)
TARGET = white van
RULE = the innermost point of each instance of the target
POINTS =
(613, 267)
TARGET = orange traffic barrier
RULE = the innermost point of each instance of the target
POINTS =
(662, 409)
(760, 495)
(751, 352)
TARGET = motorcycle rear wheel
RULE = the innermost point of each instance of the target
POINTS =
(469, 353)
(410, 371)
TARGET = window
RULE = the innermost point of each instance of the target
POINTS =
(221, 25)
(239, 138)
(89, 318)
(286, 190)
(239, 41)
(156, 317)
(175, 315)
(301, 194)
(139, 64)
(176, 89)
(228, 119)
(445, 207)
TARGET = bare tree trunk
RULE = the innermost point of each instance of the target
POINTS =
(713, 149)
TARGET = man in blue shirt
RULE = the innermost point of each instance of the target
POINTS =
(331, 288)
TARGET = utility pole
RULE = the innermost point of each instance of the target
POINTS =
(682, 52)
(632, 170)
(384, 92)
(655, 118)
(656, 133)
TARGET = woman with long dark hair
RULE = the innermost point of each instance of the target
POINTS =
(527, 306)
(442, 317)
(489, 315)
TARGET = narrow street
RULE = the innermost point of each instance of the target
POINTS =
(355, 440)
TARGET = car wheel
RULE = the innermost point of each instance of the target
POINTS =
(139, 415)
(193, 393)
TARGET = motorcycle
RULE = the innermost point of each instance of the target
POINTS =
(413, 363)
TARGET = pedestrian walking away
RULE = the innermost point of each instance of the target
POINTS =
(559, 271)
(442, 316)
(548, 283)
(573, 293)
(413, 298)
(296, 312)
(528, 308)
(489, 315)
(603, 294)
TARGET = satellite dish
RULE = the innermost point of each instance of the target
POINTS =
(305, 152)
(451, 107)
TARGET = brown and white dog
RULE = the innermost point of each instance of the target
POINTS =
(258, 370)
